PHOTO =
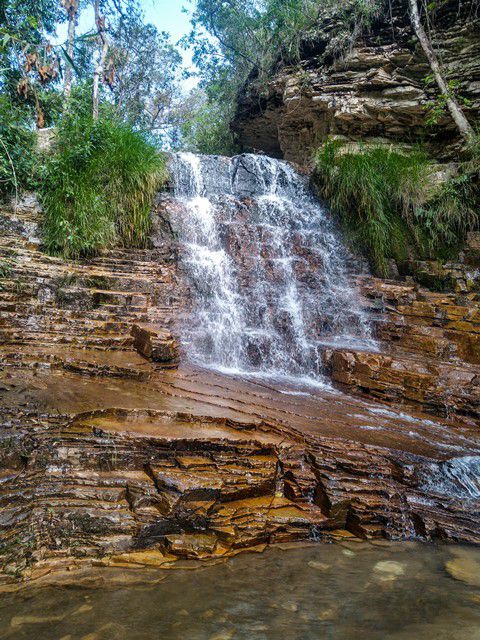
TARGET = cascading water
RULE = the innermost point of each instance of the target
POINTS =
(267, 267)
(453, 478)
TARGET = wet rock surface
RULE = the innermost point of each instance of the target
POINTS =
(155, 344)
(429, 350)
(110, 459)
(270, 276)
(90, 304)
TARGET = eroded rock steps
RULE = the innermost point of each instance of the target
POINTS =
(107, 457)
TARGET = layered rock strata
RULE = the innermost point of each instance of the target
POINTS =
(108, 457)
(155, 344)
(92, 304)
(429, 352)
(375, 90)
(122, 487)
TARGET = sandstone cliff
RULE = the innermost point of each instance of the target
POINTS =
(374, 90)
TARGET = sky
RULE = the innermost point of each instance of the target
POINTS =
(166, 15)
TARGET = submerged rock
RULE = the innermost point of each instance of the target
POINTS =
(389, 567)
(321, 566)
(20, 621)
(465, 566)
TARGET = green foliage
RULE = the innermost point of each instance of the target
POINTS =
(140, 74)
(238, 42)
(28, 20)
(258, 36)
(438, 107)
(146, 74)
(388, 206)
(376, 192)
(27, 63)
(472, 165)
(450, 214)
(206, 127)
(233, 41)
(98, 186)
(453, 209)
(5, 269)
(17, 150)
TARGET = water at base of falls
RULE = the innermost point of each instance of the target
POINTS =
(267, 268)
(399, 592)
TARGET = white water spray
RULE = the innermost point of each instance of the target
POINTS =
(267, 267)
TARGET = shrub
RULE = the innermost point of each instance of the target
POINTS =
(390, 206)
(98, 186)
(450, 214)
(17, 150)
(376, 192)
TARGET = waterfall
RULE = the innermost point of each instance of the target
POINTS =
(453, 478)
(266, 265)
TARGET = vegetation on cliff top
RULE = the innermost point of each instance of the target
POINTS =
(389, 204)
(239, 45)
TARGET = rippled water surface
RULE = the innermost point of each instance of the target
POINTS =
(323, 591)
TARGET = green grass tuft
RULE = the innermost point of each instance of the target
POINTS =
(389, 204)
(18, 158)
(98, 187)
(375, 191)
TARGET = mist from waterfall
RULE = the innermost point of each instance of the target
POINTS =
(266, 265)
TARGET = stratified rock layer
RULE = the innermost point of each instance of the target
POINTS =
(430, 349)
(376, 90)
(155, 344)
(111, 458)
(47, 301)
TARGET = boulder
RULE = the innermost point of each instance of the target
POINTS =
(155, 344)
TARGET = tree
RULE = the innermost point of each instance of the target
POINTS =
(250, 36)
(103, 46)
(464, 127)
(205, 125)
(143, 74)
(29, 64)
(71, 7)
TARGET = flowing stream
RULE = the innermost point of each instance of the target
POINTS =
(267, 267)
(271, 282)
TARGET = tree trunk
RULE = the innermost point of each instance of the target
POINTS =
(102, 38)
(71, 8)
(464, 127)
(40, 119)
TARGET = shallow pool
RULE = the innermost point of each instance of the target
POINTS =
(351, 592)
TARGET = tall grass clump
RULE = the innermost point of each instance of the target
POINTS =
(376, 192)
(98, 186)
(17, 150)
(450, 214)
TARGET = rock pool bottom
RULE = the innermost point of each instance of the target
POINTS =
(352, 591)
